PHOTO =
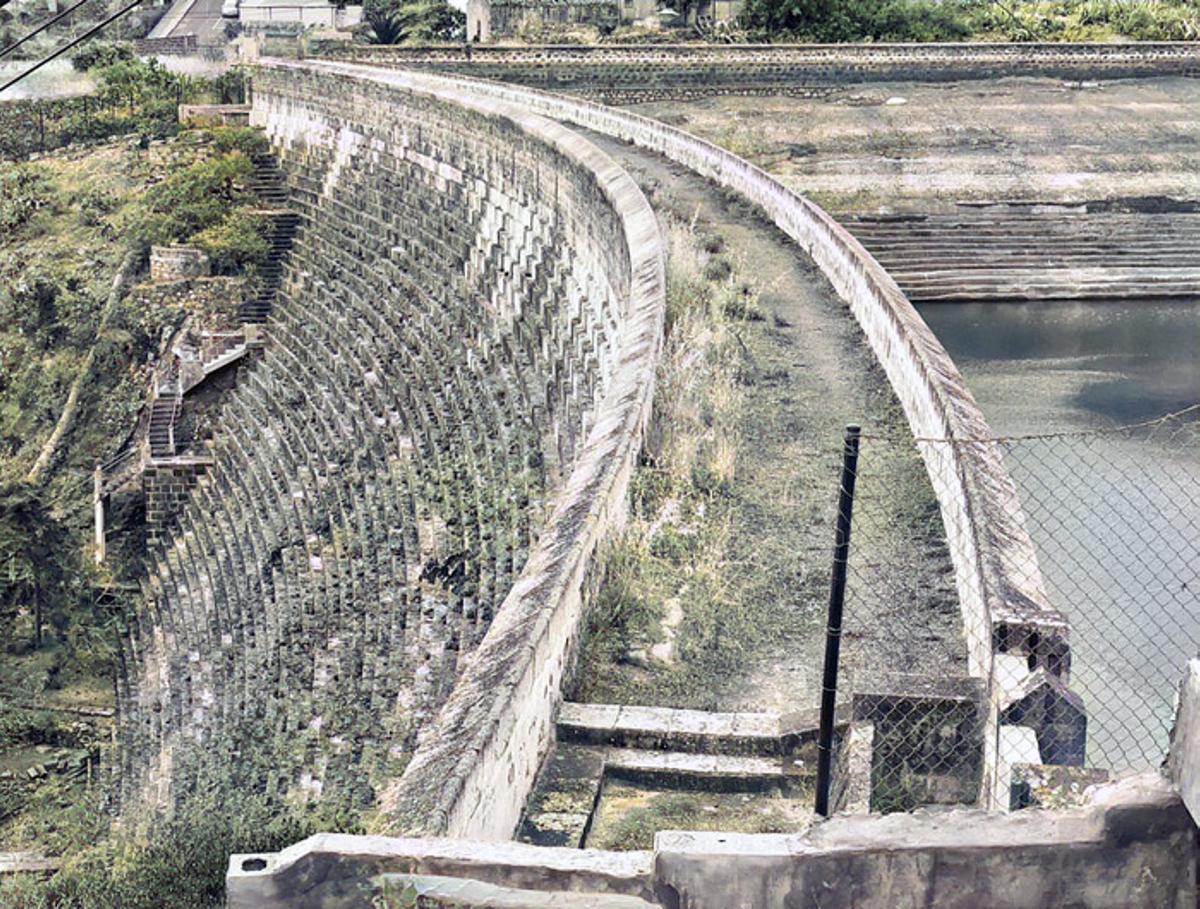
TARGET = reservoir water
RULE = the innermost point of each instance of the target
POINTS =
(1115, 515)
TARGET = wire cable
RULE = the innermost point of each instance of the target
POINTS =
(41, 28)
(62, 50)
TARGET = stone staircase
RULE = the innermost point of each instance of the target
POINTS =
(270, 186)
(164, 413)
(1031, 253)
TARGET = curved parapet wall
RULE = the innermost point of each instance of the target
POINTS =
(1000, 589)
(459, 369)
(628, 73)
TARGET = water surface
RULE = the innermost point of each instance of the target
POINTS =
(1115, 516)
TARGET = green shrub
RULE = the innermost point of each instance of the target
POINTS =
(955, 20)
(194, 199)
(230, 87)
(96, 54)
(234, 243)
(396, 21)
(24, 190)
(858, 20)
(245, 139)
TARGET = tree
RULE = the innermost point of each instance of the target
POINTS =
(396, 21)
(37, 560)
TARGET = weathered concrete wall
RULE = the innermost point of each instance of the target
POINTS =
(1001, 593)
(1133, 847)
(315, 871)
(630, 73)
(1185, 740)
(459, 366)
(1136, 847)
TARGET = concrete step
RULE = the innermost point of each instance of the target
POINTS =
(663, 728)
(715, 771)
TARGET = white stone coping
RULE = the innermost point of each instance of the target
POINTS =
(667, 721)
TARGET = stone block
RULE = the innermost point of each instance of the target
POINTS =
(176, 263)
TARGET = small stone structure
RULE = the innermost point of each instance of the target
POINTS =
(210, 115)
(166, 487)
(176, 263)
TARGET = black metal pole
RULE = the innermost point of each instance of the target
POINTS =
(833, 631)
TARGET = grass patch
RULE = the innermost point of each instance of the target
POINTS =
(628, 816)
(678, 546)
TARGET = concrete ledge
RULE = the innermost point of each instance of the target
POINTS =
(1184, 760)
(1135, 847)
(670, 729)
(296, 876)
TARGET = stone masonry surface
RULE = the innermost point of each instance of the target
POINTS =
(632, 73)
(459, 366)
(1001, 593)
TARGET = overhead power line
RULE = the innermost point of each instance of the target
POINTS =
(41, 28)
(62, 50)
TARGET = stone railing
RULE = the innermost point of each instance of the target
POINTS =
(626, 73)
(408, 486)
(1132, 844)
(1001, 593)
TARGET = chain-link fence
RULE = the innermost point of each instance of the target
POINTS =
(1017, 617)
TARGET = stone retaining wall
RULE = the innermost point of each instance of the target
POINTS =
(459, 367)
(1001, 594)
(174, 263)
(1132, 846)
(631, 73)
(176, 46)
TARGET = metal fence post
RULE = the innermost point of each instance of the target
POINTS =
(833, 631)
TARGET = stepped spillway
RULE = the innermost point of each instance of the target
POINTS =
(465, 323)
(1036, 255)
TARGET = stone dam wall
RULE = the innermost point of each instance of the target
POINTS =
(459, 367)
(631, 73)
(1005, 610)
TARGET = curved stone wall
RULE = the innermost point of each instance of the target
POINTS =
(630, 73)
(459, 368)
(1001, 594)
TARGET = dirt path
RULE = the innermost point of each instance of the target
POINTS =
(808, 372)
